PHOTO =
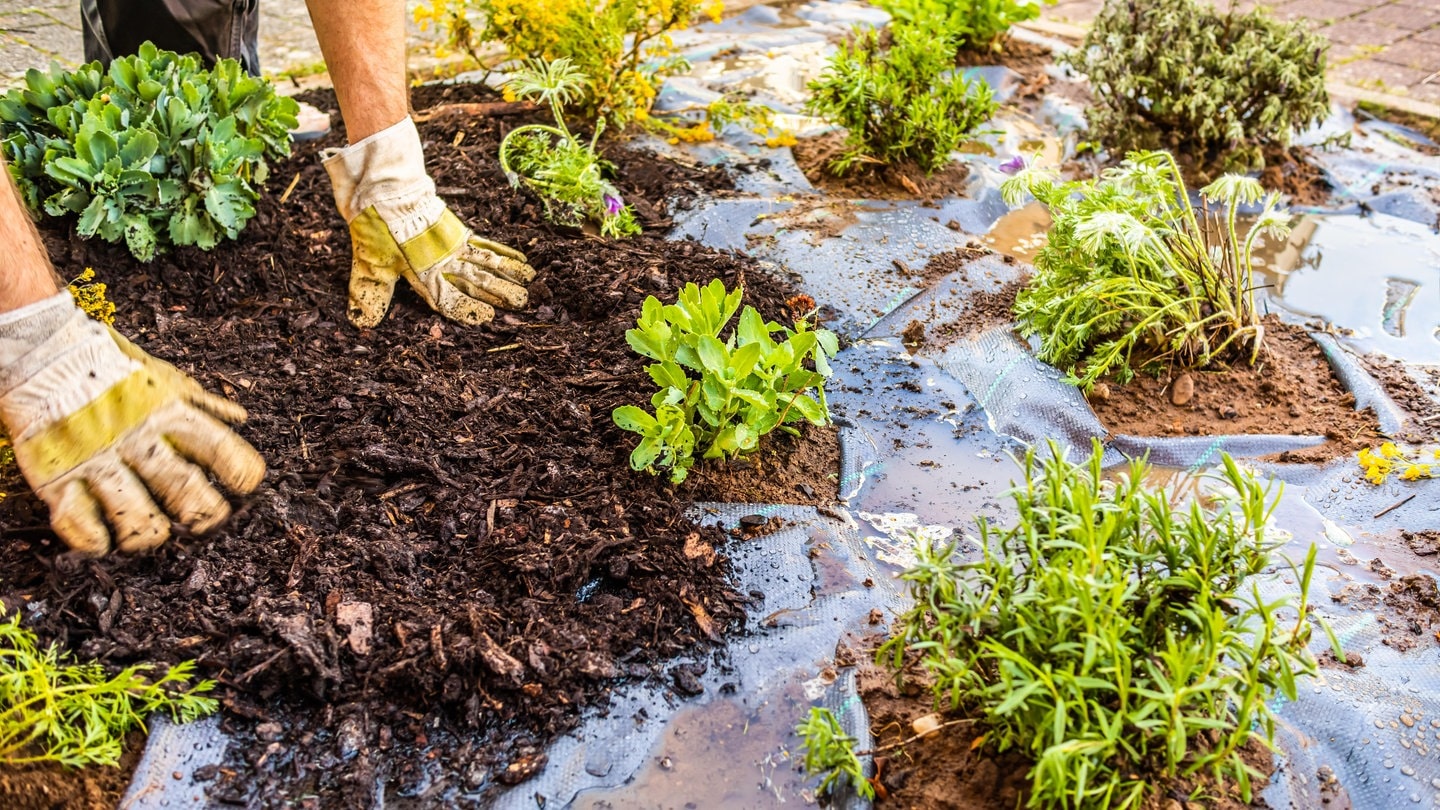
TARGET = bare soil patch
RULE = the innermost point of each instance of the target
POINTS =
(899, 181)
(55, 787)
(465, 488)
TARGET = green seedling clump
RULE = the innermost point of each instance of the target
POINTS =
(831, 752)
(156, 150)
(1116, 633)
(720, 396)
(55, 710)
(1132, 274)
(898, 96)
(972, 25)
(1215, 86)
(566, 173)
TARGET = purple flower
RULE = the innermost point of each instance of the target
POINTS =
(1013, 165)
(613, 204)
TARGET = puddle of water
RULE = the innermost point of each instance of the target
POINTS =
(728, 753)
(1020, 233)
(1377, 277)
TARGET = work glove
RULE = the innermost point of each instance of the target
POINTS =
(101, 430)
(399, 228)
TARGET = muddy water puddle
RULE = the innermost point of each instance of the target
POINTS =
(1376, 278)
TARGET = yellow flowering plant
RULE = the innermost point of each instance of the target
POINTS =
(623, 47)
(1409, 463)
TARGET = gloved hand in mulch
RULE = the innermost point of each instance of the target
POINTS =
(101, 431)
(400, 228)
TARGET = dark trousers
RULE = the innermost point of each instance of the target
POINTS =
(215, 29)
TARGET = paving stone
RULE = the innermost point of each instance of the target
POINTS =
(1381, 76)
(1353, 32)
(1320, 12)
(1410, 18)
(1412, 53)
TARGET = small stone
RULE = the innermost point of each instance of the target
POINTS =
(1101, 392)
(177, 776)
(752, 521)
(269, 731)
(1182, 390)
(927, 724)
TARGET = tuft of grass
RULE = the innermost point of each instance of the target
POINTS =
(53, 709)
(1116, 633)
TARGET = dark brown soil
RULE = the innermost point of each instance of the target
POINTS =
(54, 787)
(1290, 172)
(901, 181)
(464, 487)
(1291, 391)
(1420, 406)
(953, 769)
(1410, 616)
(1422, 543)
(982, 310)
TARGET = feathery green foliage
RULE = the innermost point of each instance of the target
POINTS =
(155, 150)
(1116, 632)
(899, 97)
(567, 173)
(1217, 86)
(721, 396)
(55, 710)
(1132, 273)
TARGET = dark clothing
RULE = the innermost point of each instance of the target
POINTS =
(213, 28)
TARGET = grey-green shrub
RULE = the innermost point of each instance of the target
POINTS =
(1214, 86)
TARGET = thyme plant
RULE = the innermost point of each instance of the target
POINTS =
(1116, 632)
(1215, 85)
(567, 173)
(53, 709)
(1132, 273)
(898, 96)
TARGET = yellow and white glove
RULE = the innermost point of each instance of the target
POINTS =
(101, 430)
(399, 228)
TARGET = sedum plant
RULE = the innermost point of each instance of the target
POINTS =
(1132, 273)
(899, 98)
(155, 150)
(1116, 633)
(623, 47)
(1217, 86)
(974, 25)
(55, 710)
(719, 397)
(567, 173)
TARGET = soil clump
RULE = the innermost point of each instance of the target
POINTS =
(898, 181)
(450, 558)
(49, 786)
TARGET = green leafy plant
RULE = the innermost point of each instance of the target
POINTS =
(721, 396)
(1218, 86)
(623, 47)
(155, 150)
(975, 25)
(1132, 273)
(55, 710)
(1116, 633)
(567, 173)
(898, 97)
(831, 752)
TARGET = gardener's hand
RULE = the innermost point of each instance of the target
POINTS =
(102, 430)
(399, 228)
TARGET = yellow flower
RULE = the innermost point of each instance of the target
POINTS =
(1389, 450)
(715, 10)
(508, 93)
(1415, 472)
(783, 138)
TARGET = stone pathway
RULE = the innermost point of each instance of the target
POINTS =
(1384, 46)
(33, 33)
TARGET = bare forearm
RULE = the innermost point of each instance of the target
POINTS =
(26, 276)
(364, 46)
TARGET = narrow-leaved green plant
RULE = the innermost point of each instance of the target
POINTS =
(830, 752)
(898, 96)
(720, 396)
(53, 709)
(1116, 633)
(975, 25)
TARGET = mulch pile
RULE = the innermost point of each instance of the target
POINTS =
(450, 557)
